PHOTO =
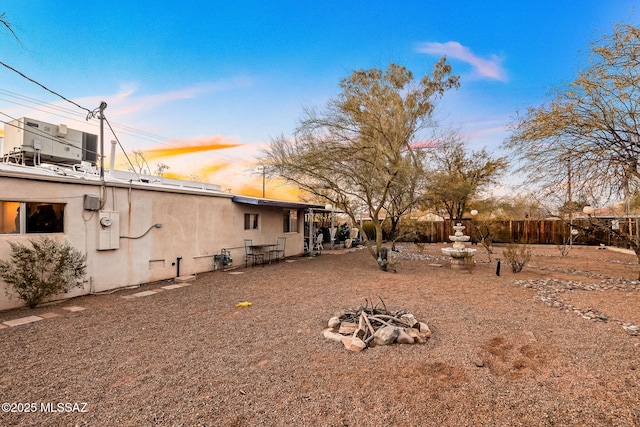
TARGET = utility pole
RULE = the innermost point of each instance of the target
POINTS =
(263, 180)
(569, 184)
(569, 202)
(103, 106)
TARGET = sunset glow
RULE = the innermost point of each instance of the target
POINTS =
(213, 143)
(202, 89)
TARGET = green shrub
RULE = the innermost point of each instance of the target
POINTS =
(45, 269)
(517, 255)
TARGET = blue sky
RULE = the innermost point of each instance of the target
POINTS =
(200, 73)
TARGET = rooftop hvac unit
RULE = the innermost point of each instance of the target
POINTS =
(40, 141)
(90, 148)
(62, 131)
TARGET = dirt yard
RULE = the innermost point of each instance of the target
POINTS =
(554, 345)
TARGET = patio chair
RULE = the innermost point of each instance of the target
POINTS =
(318, 243)
(250, 254)
(353, 233)
(278, 250)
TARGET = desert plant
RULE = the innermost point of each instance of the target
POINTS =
(47, 268)
(517, 255)
(565, 246)
(483, 230)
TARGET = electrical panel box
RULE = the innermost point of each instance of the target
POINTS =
(91, 203)
(108, 230)
(48, 142)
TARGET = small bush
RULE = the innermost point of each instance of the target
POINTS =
(517, 255)
(45, 269)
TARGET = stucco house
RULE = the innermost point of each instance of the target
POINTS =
(133, 228)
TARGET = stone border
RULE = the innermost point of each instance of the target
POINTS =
(548, 289)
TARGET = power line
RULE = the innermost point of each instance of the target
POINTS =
(121, 147)
(136, 133)
(38, 102)
(44, 111)
(123, 129)
(89, 112)
(42, 134)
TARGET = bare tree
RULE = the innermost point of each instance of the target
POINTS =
(6, 24)
(139, 165)
(356, 150)
(406, 192)
(457, 175)
(161, 168)
(586, 140)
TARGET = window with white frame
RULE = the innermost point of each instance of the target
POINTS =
(31, 217)
(251, 221)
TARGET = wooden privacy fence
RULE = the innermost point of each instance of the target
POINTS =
(521, 231)
(531, 231)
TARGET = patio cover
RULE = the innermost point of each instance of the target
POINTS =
(312, 208)
(275, 203)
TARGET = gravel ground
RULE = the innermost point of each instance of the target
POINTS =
(552, 345)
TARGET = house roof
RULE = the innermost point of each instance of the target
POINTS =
(74, 175)
(275, 203)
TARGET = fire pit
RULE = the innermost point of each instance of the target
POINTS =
(363, 327)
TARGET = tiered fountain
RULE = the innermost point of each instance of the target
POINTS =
(460, 255)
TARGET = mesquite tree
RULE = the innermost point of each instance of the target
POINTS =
(355, 151)
(457, 175)
(585, 142)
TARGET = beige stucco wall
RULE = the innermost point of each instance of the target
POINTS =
(195, 226)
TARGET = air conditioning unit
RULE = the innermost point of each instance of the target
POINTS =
(48, 143)
(62, 131)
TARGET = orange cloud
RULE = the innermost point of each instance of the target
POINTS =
(274, 189)
(174, 175)
(250, 190)
(213, 169)
(197, 146)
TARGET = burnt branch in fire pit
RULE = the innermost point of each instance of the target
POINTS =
(368, 325)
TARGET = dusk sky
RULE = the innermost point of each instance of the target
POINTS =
(230, 76)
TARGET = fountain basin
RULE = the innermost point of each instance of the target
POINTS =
(459, 253)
